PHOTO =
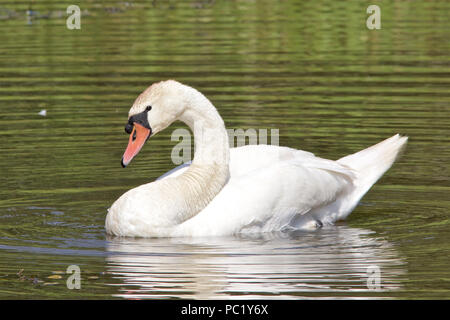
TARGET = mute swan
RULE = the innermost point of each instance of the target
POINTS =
(226, 191)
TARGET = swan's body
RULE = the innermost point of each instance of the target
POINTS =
(248, 189)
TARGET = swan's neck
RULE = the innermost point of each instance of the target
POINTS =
(209, 170)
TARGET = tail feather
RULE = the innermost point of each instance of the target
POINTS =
(369, 165)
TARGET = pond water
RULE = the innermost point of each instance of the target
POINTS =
(312, 70)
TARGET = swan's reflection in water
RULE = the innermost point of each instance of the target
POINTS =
(328, 263)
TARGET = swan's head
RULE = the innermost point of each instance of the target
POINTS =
(153, 110)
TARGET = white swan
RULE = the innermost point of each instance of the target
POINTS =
(227, 191)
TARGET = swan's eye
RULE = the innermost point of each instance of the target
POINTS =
(148, 108)
(129, 128)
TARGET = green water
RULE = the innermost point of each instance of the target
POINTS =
(310, 69)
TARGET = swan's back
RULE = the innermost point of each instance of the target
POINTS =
(256, 157)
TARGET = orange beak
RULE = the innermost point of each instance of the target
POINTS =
(138, 137)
